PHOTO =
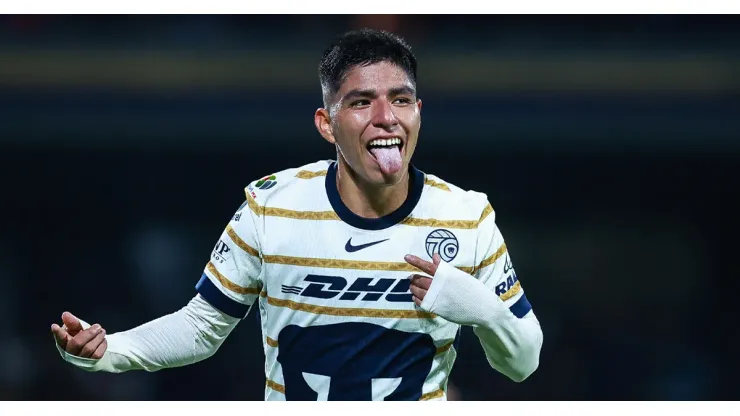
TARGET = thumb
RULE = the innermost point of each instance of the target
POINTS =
(72, 323)
(436, 259)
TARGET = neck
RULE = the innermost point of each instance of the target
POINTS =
(369, 200)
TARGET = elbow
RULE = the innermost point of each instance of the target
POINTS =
(207, 348)
(517, 355)
(519, 366)
(522, 372)
(524, 363)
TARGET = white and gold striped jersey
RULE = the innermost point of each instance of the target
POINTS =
(338, 320)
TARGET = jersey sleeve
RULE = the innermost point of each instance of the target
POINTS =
(231, 279)
(495, 268)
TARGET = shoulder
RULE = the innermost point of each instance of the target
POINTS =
(292, 186)
(444, 199)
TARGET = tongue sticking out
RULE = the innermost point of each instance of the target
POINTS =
(389, 158)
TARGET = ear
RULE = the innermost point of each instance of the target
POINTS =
(418, 108)
(322, 120)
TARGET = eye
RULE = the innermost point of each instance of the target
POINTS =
(402, 101)
(360, 103)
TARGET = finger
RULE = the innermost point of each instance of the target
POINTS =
(417, 301)
(436, 259)
(60, 335)
(98, 354)
(421, 281)
(418, 292)
(422, 265)
(75, 345)
(72, 323)
(93, 345)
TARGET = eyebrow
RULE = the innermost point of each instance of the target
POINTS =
(358, 93)
(401, 91)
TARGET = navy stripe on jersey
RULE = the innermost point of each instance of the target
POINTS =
(521, 307)
(218, 300)
(345, 214)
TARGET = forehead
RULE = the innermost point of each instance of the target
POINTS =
(379, 76)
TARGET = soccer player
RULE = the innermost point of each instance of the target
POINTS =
(364, 268)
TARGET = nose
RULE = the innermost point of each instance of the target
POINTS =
(383, 115)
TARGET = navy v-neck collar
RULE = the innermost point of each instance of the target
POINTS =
(416, 186)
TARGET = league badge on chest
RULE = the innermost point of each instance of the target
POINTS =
(444, 243)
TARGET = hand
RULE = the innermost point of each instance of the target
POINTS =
(86, 343)
(420, 284)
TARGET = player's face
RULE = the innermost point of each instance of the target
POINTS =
(374, 120)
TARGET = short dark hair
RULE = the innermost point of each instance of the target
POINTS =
(363, 47)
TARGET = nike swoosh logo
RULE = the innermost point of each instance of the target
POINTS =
(351, 249)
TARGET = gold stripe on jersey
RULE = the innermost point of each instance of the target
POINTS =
(241, 243)
(271, 342)
(439, 185)
(229, 285)
(275, 386)
(511, 292)
(289, 213)
(466, 269)
(307, 174)
(444, 348)
(460, 224)
(486, 212)
(332, 216)
(301, 215)
(492, 258)
(431, 222)
(433, 395)
(385, 266)
(362, 312)
(252, 204)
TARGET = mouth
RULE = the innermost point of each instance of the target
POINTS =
(388, 143)
(387, 153)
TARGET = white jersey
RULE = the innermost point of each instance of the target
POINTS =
(338, 320)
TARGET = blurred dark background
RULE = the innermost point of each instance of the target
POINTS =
(607, 144)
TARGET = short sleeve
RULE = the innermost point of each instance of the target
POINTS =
(231, 279)
(495, 268)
